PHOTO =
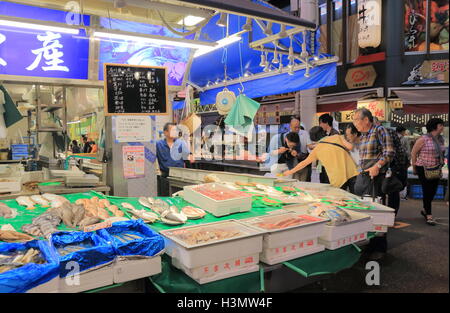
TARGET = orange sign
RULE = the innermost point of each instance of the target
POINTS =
(361, 77)
(376, 106)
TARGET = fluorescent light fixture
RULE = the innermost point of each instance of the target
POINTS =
(159, 40)
(191, 20)
(75, 122)
(219, 44)
(41, 27)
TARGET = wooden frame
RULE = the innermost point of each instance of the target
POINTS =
(105, 83)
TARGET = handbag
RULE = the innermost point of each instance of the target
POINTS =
(435, 172)
(391, 184)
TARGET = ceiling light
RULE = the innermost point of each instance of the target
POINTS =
(159, 40)
(268, 30)
(41, 27)
(307, 72)
(190, 20)
(316, 58)
(248, 25)
(219, 44)
(282, 33)
(263, 60)
(222, 22)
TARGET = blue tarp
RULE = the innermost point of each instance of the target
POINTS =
(321, 76)
(97, 251)
(30, 275)
(150, 244)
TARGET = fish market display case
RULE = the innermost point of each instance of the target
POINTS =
(383, 217)
(138, 250)
(288, 236)
(214, 251)
(343, 234)
(218, 199)
(199, 176)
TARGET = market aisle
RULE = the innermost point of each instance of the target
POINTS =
(417, 258)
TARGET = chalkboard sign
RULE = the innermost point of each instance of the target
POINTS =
(135, 90)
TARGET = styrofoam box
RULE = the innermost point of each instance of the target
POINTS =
(291, 251)
(249, 243)
(342, 242)
(221, 270)
(12, 185)
(91, 279)
(49, 287)
(380, 228)
(382, 215)
(281, 244)
(126, 269)
(217, 208)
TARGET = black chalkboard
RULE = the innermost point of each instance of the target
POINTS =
(135, 90)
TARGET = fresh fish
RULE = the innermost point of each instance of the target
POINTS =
(6, 211)
(102, 213)
(47, 223)
(104, 203)
(32, 230)
(144, 202)
(193, 213)
(127, 205)
(115, 210)
(25, 201)
(151, 200)
(13, 236)
(78, 214)
(66, 214)
(116, 219)
(173, 215)
(145, 215)
(40, 200)
(89, 221)
(159, 206)
(50, 197)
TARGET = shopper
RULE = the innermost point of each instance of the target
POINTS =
(170, 152)
(94, 147)
(427, 157)
(352, 135)
(74, 147)
(282, 159)
(86, 145)
(332, 152)
(326, 123)
(401, 133)
(305, 142)
(376, 150)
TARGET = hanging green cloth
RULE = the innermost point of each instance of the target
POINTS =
(243, 112)
(12, 114)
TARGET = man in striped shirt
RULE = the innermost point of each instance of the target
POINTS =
(376, 151)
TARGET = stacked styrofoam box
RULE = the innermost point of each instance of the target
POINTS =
(127, 268)
(217, 207)
(382, 216)
(216, 260)
(338, 236)
(288, 243)
(93, 278)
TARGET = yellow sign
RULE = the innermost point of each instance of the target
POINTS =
(435, 69)
(395, 104)
(347, 116)
(361, 77)
(376, 106)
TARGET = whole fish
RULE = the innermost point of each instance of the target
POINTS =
(173, 215)
(47, 223)
(102, 213)
(116, 219)
(115, 210)
(66, 214)
(144, 202)
(89, 220)
(25, 201)
(56, 203)
(145, 215)
(13, 236)
(39, 200)
(32, 230)
(78, 214)
(5, 211)
(104, 203)
(127, 205)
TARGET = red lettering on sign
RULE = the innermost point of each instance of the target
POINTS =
(361, 236)
(227, 266)
(216, 268)
(293, 247)
(249, 260)
(205, 269)
(237, 263)
(277, 250)
(310, 243)
(359, 76)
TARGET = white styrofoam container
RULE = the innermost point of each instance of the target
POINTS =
(380, 228)
(344, 241)
(241, 203)
(13, 185)
(221, 270)
(32, 176)
(49, 287)
(249, 243)
(381, 215)
(288, 243)
(90, 279)
(126, 268)
(289, 252)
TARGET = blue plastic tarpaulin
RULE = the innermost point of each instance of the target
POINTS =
(97, 252)
(149, 244)
(30, 275)
(321, 76)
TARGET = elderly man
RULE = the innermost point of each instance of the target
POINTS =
(376, 151)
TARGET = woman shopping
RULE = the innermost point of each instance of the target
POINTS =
(427, 158)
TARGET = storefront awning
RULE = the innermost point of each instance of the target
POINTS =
(345, 101)
(423, 99)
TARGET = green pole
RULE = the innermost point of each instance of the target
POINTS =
(261, 279)
(295, 269)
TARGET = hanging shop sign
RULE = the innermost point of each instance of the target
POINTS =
(135, 90)
(133, 128)
(133, 161)
(376, 106)
(347, 116)
(400, 118)
(395, 104)
(429, 72)
(361, 77)
(369, 20)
